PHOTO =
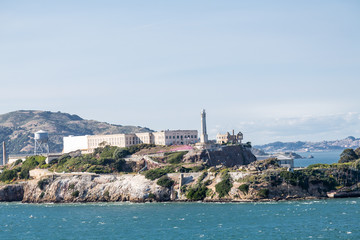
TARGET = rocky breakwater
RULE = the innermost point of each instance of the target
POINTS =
(93, 188)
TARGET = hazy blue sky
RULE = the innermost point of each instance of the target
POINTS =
(275, 70)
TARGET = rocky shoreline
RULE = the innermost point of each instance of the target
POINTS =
(136, 188)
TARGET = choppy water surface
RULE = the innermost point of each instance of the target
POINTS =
(323, 219)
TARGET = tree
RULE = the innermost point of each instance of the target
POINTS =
(357, 151)
(348, 155)
(120, 153)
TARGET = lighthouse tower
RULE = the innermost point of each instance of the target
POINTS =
(203, 136)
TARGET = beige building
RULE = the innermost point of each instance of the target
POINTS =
(169, 137)
(229, 138)
(175, 137)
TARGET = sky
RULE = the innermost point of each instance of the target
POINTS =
(274, 70)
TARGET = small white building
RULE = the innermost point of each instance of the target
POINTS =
(285, 162)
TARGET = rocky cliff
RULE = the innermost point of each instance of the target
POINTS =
(93, 188)
(64, 188)
(13, 192)
(229, 156)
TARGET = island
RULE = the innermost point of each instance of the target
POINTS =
(147, 173)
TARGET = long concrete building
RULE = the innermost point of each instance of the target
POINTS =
(169, 137)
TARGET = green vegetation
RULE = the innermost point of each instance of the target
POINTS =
(174, 157)
(8, 175)
(244, 188)
(106, 194)
(165, 181)
(296, 178)
(197, 193)
(20, 170)
(42, 194)
(75, 193)
(223, 187)
(153, 174)
(17, 162)
(105, 159)
(197, 168)
(263, 193)
(318, 165)
(349, 155)
(151, 196)
(88, 163)
(72, 186)
(42, 183)
(248, 145)
(202, 177)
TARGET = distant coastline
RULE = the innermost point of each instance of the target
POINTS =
(300, 146)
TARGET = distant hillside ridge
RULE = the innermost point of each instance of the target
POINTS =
(349, 142)
(17, 129)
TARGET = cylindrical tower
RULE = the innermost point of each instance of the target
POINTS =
(41, 143)
(203, 136)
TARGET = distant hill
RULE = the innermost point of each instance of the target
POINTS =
(17, 129)
(349, 142)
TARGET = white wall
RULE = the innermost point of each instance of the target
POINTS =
(73, 143)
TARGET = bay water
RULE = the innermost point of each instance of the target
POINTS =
(327, 157)
(309, 219)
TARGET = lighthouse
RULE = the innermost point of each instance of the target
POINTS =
(203, 136)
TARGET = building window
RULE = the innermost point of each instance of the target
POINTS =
(177, 136)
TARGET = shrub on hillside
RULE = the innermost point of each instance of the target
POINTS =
(263, 193)
(34, 161)
(24, 173)
(197, 193)
(42, 183)
(318, 165)
(348, 155)
(8, 175)
(202, 177)
(153, 174)
(98, 169)
(244, 188)
(165, 181)
(75, 193)
(223, 188)
(175, 157)
(17, 162)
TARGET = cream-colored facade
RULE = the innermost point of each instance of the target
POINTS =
(175, 137)
(90, 142)
(229, 138)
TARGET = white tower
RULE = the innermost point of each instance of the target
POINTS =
(41, 143)
(203, 136)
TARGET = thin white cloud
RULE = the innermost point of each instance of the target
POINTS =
(306, 128)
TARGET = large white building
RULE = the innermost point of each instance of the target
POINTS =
(169, 137)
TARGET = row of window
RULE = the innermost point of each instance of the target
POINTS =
(188, 136)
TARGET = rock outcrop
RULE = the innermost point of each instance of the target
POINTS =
(94, 188)
(13, 192)
(229, 156)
